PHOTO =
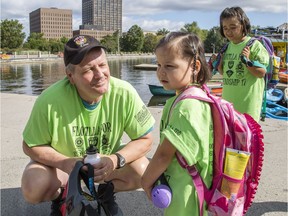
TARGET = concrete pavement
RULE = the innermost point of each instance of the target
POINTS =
(271, 197)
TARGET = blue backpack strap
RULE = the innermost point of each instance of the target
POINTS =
(216, 63)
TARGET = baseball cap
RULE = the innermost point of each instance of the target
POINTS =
(77, 47)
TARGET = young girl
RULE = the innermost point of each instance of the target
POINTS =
(243, 84)
(189, 128)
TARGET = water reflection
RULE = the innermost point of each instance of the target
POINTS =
(33, 78)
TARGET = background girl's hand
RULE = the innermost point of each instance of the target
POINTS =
(246, 52)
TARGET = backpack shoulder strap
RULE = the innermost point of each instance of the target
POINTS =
(216, 63)
(251, 41)
(200, 94)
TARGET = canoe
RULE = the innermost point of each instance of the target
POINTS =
(276, 111)
(283, 77)
(158, 90)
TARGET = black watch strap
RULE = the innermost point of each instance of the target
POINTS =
(120, 161)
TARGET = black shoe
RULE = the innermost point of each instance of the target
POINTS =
(56, 205)
(107, 198)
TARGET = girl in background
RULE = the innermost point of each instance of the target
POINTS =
(243, 84)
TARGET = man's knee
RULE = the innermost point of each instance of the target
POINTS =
(36, 183)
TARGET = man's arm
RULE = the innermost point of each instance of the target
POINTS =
(135, 149)
(48, 156)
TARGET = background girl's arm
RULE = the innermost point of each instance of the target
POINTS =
(220, 66)
(255, 71)
(158, 164)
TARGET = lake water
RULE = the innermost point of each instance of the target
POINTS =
(33, 78)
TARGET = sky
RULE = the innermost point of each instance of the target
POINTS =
(152, 15)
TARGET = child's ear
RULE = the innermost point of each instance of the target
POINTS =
(197, 67)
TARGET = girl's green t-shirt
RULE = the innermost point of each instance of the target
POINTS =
(240, 87)
(190, 130)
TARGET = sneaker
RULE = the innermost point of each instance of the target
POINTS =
(56, 205)
(107, 198)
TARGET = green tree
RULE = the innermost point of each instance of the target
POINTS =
(214, 41)
(55, 46)
(150, 41)
(111, 42)
(133, 40)
(64, 40)
(194, 28)
(162, 32)
(36, 41)
(12, 36)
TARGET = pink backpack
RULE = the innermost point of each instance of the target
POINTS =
(231, 130)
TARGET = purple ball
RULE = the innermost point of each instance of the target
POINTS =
(161, 196)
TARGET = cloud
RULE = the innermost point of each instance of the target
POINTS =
(152, 25)
(152, 15)
(139, 7)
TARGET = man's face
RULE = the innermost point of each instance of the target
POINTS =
(91, 76)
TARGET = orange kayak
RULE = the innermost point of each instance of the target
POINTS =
(283, 77)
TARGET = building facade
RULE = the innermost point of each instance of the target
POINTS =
(53, 22)
(99, 35)
(104, 15)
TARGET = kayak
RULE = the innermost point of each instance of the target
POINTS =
(283, 77)
(274, 95)
(276, 111)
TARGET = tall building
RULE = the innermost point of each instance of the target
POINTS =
(103, 15)
(53, 22)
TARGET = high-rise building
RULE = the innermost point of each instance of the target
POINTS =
(53, 22)
(103, 15)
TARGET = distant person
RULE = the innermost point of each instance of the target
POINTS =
(189, 130)
(243, 84)
(87, 107)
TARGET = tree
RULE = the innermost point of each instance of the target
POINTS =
(214, 41)
(36, 41)
(111, 42)
(12, 36)
(193, 28)
(133, 40)
(150, 41)
(162, 32)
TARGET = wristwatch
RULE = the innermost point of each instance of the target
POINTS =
(120, 161)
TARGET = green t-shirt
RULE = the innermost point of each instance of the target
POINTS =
(190, 130)
(240, 87)
(60, 119)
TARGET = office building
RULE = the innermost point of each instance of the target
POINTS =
(53, 22)
(102, 15)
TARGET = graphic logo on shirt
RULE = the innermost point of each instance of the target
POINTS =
(79, 142)
(142, 116)
(229, 73)
(93, 140)
(230, 64)
(96, 135)
(105, 140)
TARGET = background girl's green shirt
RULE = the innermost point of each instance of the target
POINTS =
(240, 87)
(60, 119)
(190, 130)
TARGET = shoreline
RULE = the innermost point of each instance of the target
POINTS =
(14, 60)
(35, 58)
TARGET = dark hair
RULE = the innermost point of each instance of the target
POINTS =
(240, 15)
(190, 47)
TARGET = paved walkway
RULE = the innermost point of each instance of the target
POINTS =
(271, 198)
